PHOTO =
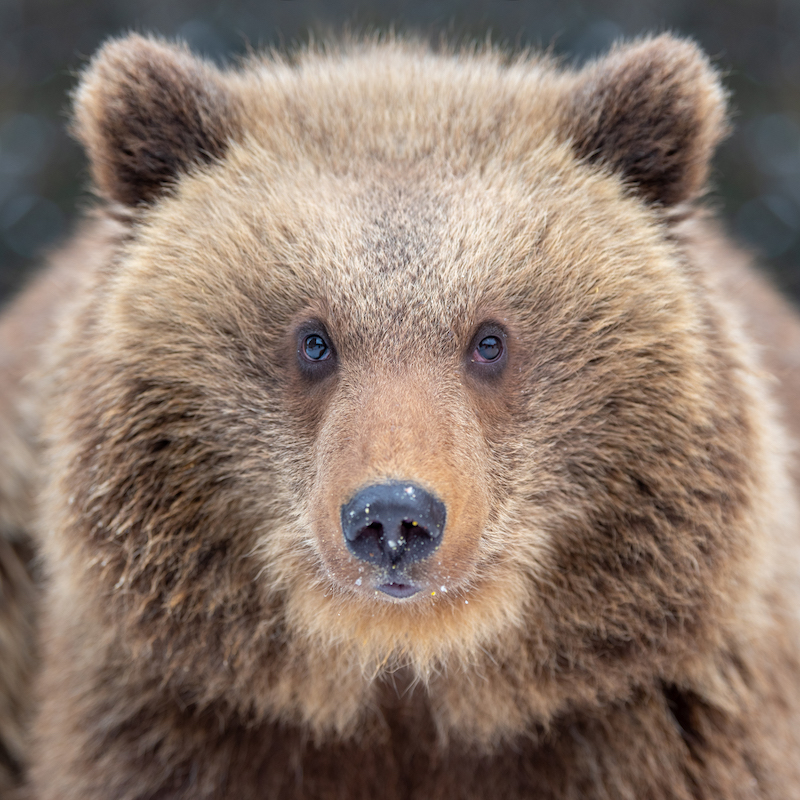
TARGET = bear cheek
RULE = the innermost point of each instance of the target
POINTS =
(396, 446)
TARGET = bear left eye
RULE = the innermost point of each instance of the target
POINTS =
(488, 349)
(315, 348)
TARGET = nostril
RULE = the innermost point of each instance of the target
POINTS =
(411, 529)
(373, 529)
(372, 533)
(352, 533)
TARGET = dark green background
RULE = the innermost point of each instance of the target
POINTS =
(756, 43)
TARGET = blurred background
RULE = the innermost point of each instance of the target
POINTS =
(44, 43)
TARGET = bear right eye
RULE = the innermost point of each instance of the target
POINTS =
(316, 354)
(489, 349)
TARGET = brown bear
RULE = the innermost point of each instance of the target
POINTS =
(401, 427)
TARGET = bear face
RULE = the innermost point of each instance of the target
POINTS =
(442, 274)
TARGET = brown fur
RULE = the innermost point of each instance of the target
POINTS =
(612, 609)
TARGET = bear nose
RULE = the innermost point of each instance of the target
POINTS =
(393, 524)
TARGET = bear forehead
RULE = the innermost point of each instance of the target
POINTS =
(393, 264)
(401, 102)
(363, 248)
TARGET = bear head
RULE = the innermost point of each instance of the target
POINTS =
(400, 368)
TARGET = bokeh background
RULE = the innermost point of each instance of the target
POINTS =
(44, 43)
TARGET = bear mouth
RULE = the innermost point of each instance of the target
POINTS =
(398, 590)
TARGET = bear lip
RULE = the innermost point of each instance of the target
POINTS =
(398, 590)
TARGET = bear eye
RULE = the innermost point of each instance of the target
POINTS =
(488, 349)
(487, 355)
(315, 348)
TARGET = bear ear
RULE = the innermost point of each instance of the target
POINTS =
(148, 111)
(652, 111)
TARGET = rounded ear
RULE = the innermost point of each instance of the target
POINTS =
(146, 112)
(653, 112)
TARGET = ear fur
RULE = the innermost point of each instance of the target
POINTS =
(652, 111)
(146, 112)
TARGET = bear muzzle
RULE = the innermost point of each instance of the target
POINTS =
(391, 526)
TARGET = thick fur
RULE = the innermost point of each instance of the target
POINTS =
(613, 609)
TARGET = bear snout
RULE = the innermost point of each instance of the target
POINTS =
(392, 525)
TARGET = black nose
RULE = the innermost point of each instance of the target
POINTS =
(393, 524)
